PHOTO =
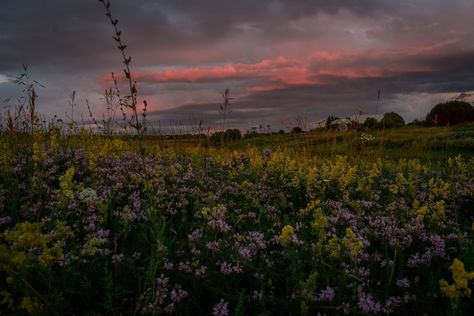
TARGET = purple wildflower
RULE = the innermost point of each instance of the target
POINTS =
(178, 295)
(116, 258)
(403, 283)
(221, 308)
(367, 304)
(326, 295)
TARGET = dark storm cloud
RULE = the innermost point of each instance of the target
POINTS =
(403, 47)
(339, 96)
(76, 33)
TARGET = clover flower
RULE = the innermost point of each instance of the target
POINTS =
(221, 308)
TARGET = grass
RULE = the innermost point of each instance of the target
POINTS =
(320, 222)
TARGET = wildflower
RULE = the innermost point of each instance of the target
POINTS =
(201, 271)
(438, 245)
(333, 247)
(195, 235)
(367, 304)
(461, 278)
(168, 266)
(213, 245)
(136, 255)
(227, 268)
(352, 243)
(247, 252)
(184, 266)
(103, 233)
(221, 308)
(326, 295)
(178, 295)
(88, 195)
(5, 220)
(219, 225)
(320, 222)
(116, 258)
(391, 303)
(367, 137)
(403, 283)
(287, 233)
(66, 183)
(162, 281)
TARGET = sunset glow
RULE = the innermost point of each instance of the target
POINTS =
(299, 58)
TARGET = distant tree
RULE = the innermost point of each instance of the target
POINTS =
(416, 122)
(450, 113)
(233, 134)
(297, 130)
(281, 132)
(391, 120)
(371, 122)
(225, 137)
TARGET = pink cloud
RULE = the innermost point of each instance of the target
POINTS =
(263, 88)
(264, 68)
(280, 72)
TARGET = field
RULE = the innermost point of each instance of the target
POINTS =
(362, 222)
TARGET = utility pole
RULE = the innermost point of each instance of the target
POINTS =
(377, 104)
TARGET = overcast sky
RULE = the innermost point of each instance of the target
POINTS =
(281, 60)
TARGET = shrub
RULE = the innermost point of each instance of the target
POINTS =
(297, 130)
(225, 137)
(450, 113)
(371, 122)
(391, 120)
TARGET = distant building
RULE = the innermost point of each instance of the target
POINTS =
(341, 124)
(319, 124)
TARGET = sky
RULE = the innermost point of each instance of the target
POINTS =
(284, 61)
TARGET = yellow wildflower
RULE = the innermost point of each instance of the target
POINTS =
(460, 287)
(320, 221)
(333, 247)
(352, 243)
(66, 183)
(287, 233)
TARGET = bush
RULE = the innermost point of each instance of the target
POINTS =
(450, 113)
(371, 122)
(391, 120)
(297, 130)
(225, 137)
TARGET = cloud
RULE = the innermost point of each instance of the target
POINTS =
(288, 58)
(280, 70)
(410, 92)
(4, 79)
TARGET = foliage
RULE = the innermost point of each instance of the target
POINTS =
(296, 130)
(450, 113)
(391, 120)
(371, 122)
(230, 232)
(219, 138)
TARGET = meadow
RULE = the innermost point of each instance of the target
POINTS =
(357, 222)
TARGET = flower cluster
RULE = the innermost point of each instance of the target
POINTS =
(244, 232)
